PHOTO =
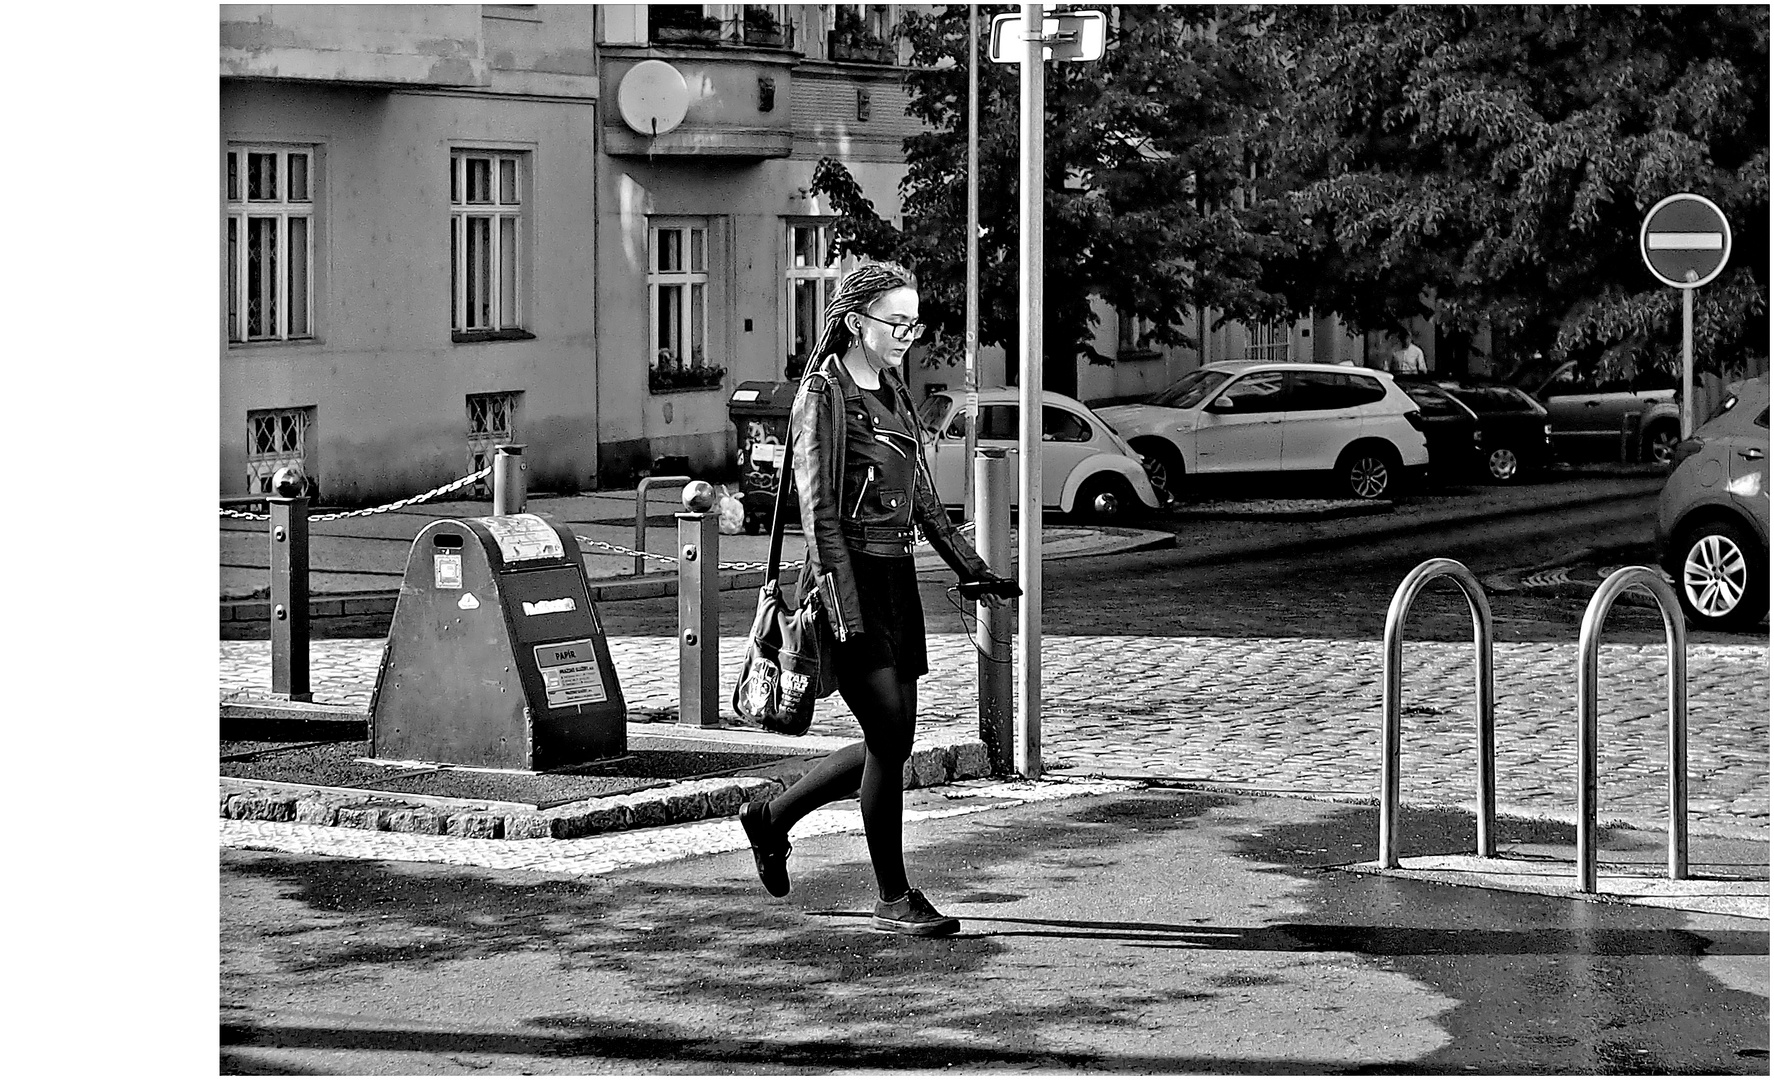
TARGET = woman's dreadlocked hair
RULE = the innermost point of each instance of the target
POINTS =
(860, 288)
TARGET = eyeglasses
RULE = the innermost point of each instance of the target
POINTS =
(902, 331)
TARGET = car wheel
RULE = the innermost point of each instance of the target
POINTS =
(1104, 498)
(1367, 472)
(1164, 467)
(1503, 465)
(1722, 576)
(1660, 442)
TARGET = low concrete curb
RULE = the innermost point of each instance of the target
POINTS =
(667, 804)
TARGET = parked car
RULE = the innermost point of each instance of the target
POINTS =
(1511, 435)
(1085, 467)
(1587, 411)
(1264, 417)
(1712, 518)
(1452, 430)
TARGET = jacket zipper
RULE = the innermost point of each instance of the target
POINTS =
(860, 495)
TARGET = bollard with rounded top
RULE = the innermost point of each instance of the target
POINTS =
(1588, 662)
(289, 584)
(699, 612)
(997, 681)
(509, 487)
(1392, 709)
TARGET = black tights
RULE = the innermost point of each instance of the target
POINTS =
(887, 709)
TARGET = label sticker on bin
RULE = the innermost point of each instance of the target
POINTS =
(570, 674)
(447, 571)
(523, 537)
(767, 454)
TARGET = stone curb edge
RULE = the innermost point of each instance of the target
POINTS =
(671, 804)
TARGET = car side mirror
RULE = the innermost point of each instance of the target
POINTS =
(1220, 405)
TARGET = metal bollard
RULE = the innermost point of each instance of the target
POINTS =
(1588, 660)
(699, 612)
(997, 694)
(1392, 707)
(289, 586)
(510, 490)
(1631, 432)
(640, 515)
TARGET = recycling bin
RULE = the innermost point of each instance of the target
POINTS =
(760, 415)
(497, 657)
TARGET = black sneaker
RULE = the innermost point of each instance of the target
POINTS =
(912, 914)
(768, 850)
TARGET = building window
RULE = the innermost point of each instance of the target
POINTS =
(486, 248)
(275, 438)
(491, 423)
(1267, 341)
(270, 243)
(813, 274)
(1131, 339)
(677, 298)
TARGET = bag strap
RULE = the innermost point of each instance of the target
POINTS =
(786, 477)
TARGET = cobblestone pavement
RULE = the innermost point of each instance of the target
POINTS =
(1290, 715)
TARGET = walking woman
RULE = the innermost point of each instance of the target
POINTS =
(859, 556)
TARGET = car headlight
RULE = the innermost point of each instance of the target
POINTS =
(1478, 435)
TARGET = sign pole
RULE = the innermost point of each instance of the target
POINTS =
(1034, 113)
(1687, 363)
(971, 442)
(1686, 241)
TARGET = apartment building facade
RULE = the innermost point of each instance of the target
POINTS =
(575, 227)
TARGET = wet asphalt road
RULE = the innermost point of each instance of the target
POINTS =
(1154, 932)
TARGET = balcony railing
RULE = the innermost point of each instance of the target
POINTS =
(732, 32)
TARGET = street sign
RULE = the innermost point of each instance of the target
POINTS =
(1685, 241)
(1065, 35)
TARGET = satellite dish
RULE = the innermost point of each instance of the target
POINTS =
(653, 98)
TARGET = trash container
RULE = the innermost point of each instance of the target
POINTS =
(760, 414)
(497, 657)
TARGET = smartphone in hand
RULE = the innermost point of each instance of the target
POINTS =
(974, 590)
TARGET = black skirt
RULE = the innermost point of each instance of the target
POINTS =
(892, 618)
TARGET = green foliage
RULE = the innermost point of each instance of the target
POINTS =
(1144, 153)
(1501, 160)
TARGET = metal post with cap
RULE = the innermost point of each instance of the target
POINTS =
(1067, 35)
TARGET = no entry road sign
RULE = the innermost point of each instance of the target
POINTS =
(1685, 241)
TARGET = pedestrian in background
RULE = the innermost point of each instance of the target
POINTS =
(859, 556)
(1407, 359)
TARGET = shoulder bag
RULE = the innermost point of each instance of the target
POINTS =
(790, 659)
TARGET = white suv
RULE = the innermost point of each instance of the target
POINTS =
(1255, 416)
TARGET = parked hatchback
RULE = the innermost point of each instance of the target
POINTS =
(1085, 467)
(1508, 436)
(1712, 518)
(1353, 424)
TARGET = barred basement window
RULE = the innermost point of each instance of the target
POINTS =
(270, 243)
(1267, 341)
(490, 424)
(275, 438)
(486, 218)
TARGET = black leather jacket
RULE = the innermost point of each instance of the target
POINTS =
(865, 492)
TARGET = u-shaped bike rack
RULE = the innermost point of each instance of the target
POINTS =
(1588, 661)
(1393, 706)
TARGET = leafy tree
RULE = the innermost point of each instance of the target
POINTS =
(1145, 153)
(1501, 159)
